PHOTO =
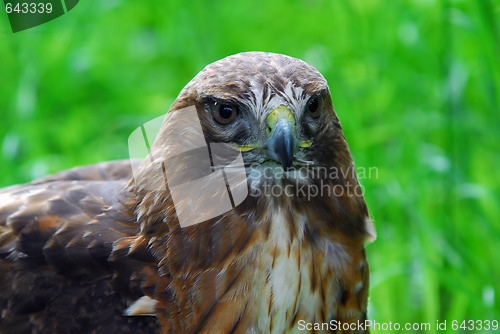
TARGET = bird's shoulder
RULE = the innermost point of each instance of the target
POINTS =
(80, 209)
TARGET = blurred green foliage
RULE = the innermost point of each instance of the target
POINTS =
(416, 85)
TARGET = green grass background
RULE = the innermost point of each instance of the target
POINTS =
(415, 83)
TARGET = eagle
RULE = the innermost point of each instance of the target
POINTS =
(112, 248)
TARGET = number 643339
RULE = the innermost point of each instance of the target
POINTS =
(28, 7)
(474, 325)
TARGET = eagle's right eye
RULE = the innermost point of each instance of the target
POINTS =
(224, 113)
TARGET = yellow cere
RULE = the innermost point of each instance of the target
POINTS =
(277, 114)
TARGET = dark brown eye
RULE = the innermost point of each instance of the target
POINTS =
(315, 106)
(224, 113)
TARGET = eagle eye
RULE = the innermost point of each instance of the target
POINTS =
(315, 106)
(224, 113)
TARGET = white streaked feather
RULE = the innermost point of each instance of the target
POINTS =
(142, 306)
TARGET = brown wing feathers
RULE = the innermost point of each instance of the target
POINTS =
(56, 238)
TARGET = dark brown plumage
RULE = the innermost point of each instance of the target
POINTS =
(94, 250)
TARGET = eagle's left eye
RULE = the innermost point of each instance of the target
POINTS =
(224, 113)
(315, 106)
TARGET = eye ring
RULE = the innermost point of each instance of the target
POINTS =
(315, 106)
(224, 113)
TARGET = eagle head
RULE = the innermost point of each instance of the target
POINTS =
(277, 111)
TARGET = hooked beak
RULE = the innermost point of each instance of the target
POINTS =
(281, 143)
